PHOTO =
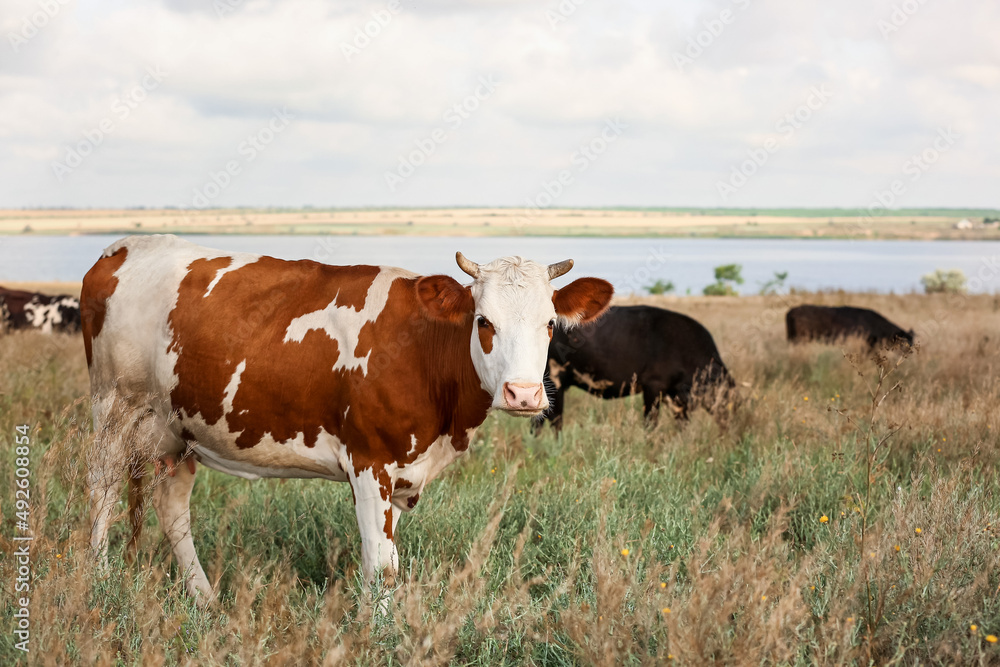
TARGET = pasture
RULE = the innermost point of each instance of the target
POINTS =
(804, 526)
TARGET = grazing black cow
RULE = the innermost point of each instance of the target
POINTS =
(830, 324)
(30, 310)
(656, 351)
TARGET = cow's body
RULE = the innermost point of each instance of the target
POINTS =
(635, 348)
(830, 324)
(39, 312)
(260, 367)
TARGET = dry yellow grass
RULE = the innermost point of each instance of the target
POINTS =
(570, 551)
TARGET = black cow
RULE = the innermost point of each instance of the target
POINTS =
(652, 350)
(830, 324)
(30, 310)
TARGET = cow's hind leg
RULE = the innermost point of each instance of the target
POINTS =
(172, 502)
(377, 522)
(652, 397)
(107, 464)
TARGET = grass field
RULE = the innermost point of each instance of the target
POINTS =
(922, 224)
(698, 543)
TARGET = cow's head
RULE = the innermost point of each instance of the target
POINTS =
(514, 310)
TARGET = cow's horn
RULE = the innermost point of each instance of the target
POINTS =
(559, 268)
(467, 265)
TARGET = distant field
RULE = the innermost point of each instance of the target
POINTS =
(761, 538)
(791, 223)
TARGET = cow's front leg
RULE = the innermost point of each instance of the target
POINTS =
(377, 522)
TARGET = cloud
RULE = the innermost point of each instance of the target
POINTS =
(366, 82)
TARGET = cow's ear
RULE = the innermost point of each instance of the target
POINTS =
(583, 300)
(444, 299)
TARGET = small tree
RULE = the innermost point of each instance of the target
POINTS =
(660, 287)
(725, 275)
(944, 282)
(730, 272)
(719, 289)
(774, 284)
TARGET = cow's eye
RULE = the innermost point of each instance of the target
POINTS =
(552, 324)
(483, 322)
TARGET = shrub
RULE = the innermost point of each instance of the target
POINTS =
(944, 282)
(774, 284)
(730, 272)
(660, 287)
(724, 276)
(719, 289)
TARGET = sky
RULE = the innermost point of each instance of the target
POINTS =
(561, 103)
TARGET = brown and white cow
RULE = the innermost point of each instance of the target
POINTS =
(260, 367)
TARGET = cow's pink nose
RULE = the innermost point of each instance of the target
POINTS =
(522, 395)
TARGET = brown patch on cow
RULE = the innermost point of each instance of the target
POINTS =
(187, 436)
(486, 334)
(98, 286)
(388, 524)
(197, 395)
(419, 366)
(584, 299)
(444, 299)
(384, 484)
(355, 293)
(402, 485)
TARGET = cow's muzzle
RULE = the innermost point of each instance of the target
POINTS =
(523, 398)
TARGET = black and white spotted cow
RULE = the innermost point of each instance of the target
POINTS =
(41, 312)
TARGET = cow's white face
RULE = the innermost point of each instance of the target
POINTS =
(514, 308)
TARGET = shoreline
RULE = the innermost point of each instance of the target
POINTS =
(502, 222)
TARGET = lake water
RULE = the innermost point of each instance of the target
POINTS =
(629, 263)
